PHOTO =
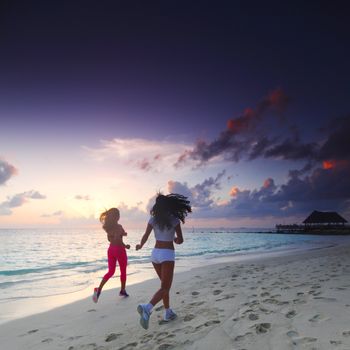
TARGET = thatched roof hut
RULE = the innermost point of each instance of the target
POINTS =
(324, 217)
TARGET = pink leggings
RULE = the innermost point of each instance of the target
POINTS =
(116, 253)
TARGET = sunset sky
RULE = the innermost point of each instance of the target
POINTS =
(244, 108)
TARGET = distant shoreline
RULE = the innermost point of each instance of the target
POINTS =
(314, 229)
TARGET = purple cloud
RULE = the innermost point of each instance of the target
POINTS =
(83, 197)
(252, 136)
(7, 170)
(18, 200)
(56, 213)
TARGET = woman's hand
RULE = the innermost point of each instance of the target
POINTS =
(138, 246)
(127, 246)
(178, 240)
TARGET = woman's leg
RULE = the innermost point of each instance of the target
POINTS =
(158, 268)
(112, 261)
(166, 278)
(123, 262)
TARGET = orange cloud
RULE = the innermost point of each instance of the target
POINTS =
(239, 124)
(234, 191)
(278, 99)
(335, 163)
(268, 183)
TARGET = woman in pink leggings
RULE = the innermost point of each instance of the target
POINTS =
(116, 251)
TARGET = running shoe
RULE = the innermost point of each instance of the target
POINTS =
(145, 315)
(96, 295)
(169, 315)
(123, 293)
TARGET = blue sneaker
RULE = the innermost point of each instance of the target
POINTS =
(145, 315)
(169, 316)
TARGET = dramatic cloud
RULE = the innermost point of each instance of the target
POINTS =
(337, 144)
(275, 101)
(254, 135)
(144, 154)
(18, 200)
(243, 203)
(320, 189)
(6, 171)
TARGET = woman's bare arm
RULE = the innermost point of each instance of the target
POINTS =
(179, 239)
(145, 236)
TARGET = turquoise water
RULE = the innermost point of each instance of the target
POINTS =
(41, 263)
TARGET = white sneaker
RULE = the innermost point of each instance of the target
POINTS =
(145, 315)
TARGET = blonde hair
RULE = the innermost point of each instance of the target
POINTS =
(109, 219)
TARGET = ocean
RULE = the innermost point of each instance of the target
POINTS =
(44, 268)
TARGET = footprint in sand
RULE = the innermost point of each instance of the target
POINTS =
(91, 346)
(33, 331)
(196, 303)
(299, 301)
(92, 310)
(262, 327)
(75, 337)
(292, 334)
(225, 297)
(271, 301)
(47, 340)
(217, 292)
(304, 340)
(112, 336)
(336, 342)
(346, 333)
(161, 322)
(318, 318)
(189, 317)
(253, 317)
(325, 299)
(243, 337)
(291, 314)
(165, 346)
(146, 338)
(129, 346)
(209, 323)
(195, 293)
(265, 311)
(162, 336)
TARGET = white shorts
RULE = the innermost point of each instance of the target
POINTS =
(161, 255)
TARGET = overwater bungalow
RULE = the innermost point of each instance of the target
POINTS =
(318, 222)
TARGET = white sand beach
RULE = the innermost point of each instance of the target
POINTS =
(299, 301)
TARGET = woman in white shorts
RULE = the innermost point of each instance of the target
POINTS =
(166, 215)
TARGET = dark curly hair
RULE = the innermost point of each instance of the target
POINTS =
(172, 204)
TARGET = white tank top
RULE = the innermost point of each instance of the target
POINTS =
(166, 234)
